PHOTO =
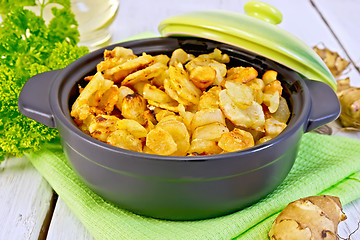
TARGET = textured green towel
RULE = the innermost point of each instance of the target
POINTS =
(325, 165)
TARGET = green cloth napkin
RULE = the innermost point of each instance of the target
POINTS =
(324, 165)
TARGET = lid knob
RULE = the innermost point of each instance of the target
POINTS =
(263, 11)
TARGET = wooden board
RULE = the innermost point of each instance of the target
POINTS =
(352, 223)
(343, 18)
(25, 199)
(65, 225)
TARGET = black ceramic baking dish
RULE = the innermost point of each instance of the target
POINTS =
(178, 188)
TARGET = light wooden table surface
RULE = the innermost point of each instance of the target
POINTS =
(29, 209)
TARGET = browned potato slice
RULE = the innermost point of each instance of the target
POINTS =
(212, 131)
(132, 127)
(139, 88)
(272, 101)
(256, 134)
(173, 94)
(203, 76)
(118, 73)
(168, 106)
(204, 147)
(263, 139)
(123, 92)
(220, 68)
(180, 56)
(269, 76)
(163, 113)
(187, 116)
(207, 116)
(158, 81)
(217, 55)
(115, 57)
(150, 120)
(162, 58)
(109, 99)
(101, 126)
(240, 94)
(90, 96)
(123, 139)
(109, 63)
(253, 117)
(257, 86)
(236, 140)
(160, 142)
(145, 74)
(159, 98)
(146, 149)
(178, 132)
(84, 124)
(180, 82)
(272, 94)
(282, 114)
(172, 118)
(241, 74)
(118, 52)
(152, 93)
(273, 127)
(133, 107)
(210, 99)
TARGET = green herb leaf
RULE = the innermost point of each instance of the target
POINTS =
(27, 47)
(64, 3)
(63, 26)
(7, 5)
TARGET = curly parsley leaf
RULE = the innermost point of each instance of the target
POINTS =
(28, 47)
(7, 5)
(63, 26)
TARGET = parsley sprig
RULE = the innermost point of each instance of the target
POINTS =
(29, 46)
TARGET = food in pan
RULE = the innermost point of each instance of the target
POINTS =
(182, 105)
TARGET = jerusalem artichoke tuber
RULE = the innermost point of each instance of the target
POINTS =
(311, 218)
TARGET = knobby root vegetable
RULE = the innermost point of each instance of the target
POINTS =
(311, 218)
(349, 98)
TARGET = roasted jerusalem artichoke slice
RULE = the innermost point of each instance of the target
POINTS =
(220, 68)
(90, 97)
(180, 82)
(133, 107)
(272, 95)
(132, 127)
(252, 117)
(180, 56)
(207, 116)
(203, 76)
(236, 140)
(240, 94)
(212, 131)
(217, 55)
(204, 147)
(178, 132)
(210, 98)
(241, 74)
(123, 139)
(145, 74)
(102, 126)
(160, 141)
(119, 72)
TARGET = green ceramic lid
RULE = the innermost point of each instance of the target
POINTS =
(251, 33)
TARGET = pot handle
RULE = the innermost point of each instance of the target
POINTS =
(325, 105)
(34, 98)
